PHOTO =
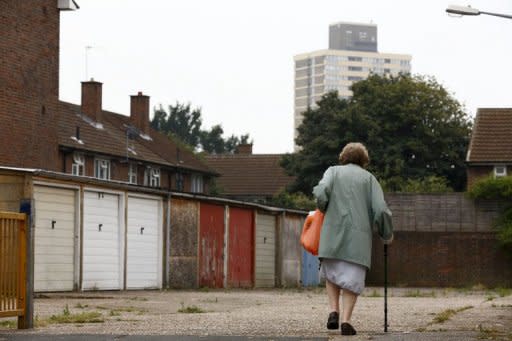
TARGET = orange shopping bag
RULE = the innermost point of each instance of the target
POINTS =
(310, 237)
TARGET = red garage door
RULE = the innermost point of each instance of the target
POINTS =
(241, 248)
(211, 246)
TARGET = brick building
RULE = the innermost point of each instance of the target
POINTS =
(490, 148)
(39, 131)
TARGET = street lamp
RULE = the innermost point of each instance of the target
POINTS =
(468, 10)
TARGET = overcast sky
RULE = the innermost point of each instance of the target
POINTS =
(234, 58)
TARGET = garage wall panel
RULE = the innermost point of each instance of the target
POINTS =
(144, 245)
(241, 248)
(54, 237)
(265, 243)
(102, 245)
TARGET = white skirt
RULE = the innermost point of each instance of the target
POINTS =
(344, 274)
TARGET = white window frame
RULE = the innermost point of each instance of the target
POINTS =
(132, 173)
(78, 166)
(102, 169)
(500, 170)
(196, 185)
(152, 177)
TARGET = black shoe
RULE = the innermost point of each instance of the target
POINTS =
(333, 322)
(347, 329)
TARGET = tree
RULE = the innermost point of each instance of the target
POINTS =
(413, 128)
(183, 123)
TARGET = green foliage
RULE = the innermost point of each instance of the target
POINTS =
(413, 129)
(504, 230)
(497, 188)
(184, 124)
(430, 184)
(492, 188)
(298, 201)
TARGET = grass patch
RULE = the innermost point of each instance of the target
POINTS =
(81, 306)
(192, 309)
(418, 293)
(503, 292)
(375, 293)
(447, 314)
(490, 297)
(210, 300)
(142, 299)
(9, 324)
(488, 333)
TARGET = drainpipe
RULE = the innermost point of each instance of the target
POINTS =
(167, 252)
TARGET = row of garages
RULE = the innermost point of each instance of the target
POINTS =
(94, 235)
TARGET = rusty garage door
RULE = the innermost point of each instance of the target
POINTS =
(211, 246)
(241, 248)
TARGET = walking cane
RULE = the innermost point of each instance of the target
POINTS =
(385, 288)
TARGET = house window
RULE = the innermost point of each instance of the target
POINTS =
(500, 171)
(77, 168)
(197, 184)
(152, 177)
(179, 182)
(132, 173)
(102, 169)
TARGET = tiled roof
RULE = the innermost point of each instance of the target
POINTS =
(111, 140)
(491, 140)
(249, 174)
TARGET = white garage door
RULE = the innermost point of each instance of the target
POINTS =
(102, 262)
(143, 244)
(54, 236)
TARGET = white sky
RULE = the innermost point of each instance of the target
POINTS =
(234, 58)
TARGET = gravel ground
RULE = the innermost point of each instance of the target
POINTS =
(277, 312)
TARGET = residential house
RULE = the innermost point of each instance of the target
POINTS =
(248, 176)
(490, 148)
(39, 131)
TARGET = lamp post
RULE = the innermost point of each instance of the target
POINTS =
(467, 10)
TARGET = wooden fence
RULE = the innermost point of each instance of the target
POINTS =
(13, 266)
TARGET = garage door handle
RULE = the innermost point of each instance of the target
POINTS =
(99, 227)
(142, 230)
(53, 224)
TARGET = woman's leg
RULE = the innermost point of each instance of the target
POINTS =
(349, 301)
(333, 293)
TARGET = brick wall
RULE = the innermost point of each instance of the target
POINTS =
(29, 52)
(476, 172)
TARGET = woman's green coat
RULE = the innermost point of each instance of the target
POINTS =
(353, 202)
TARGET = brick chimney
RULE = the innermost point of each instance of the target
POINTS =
(139, 112)
(244, 149)
(91, 100)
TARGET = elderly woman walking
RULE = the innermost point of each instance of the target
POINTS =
(353, 202)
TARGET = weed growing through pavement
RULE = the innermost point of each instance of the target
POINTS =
(447, 314)
(190, 309)
(67, 317)
(81, 306)
(9, 324)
